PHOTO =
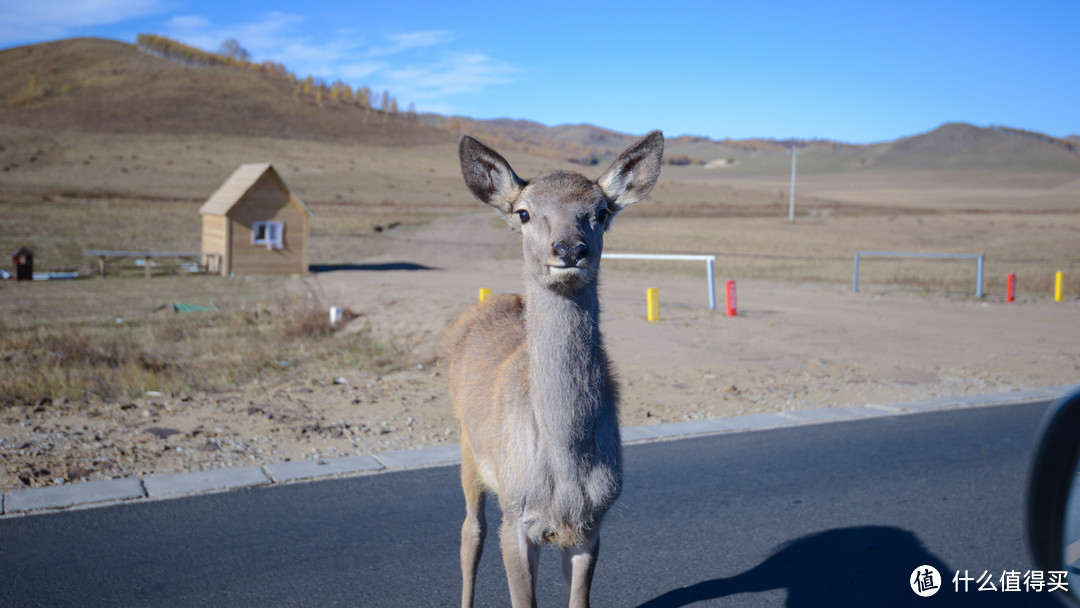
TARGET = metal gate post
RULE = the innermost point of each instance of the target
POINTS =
(856, 272)
(712, 283)
(979, 279)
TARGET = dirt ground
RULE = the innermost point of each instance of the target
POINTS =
(792, 346)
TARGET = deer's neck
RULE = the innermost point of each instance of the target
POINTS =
(567, 362)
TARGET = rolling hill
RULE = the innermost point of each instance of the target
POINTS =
(962, 145)
(105, 86)
(100, 118)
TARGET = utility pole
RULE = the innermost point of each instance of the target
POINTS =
(791, 212)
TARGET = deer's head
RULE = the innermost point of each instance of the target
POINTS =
(562, 215)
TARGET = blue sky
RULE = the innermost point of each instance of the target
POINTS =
(849, 71)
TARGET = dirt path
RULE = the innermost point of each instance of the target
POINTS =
(791, 347)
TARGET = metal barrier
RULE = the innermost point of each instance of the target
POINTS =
(908, 254)
(709, 260)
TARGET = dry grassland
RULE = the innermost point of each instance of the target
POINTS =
(363, 198)
(129, 192)
(102, 339)
(256, 380)
(1033, 247)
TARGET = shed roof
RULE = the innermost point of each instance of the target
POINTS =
(234, 188)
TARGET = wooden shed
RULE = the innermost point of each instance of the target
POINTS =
(255, 224)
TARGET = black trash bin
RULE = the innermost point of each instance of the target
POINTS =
(23, 261)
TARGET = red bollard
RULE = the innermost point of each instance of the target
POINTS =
(1010, 288)
(731, 307)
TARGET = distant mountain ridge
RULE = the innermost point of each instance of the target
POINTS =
(97, 85)
(951, 145)
(963, 145)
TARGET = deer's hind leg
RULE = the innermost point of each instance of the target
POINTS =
(474, 530)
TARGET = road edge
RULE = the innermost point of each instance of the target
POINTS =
(97, 494)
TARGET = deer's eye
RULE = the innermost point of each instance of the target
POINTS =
(523, 215)
(602, 216)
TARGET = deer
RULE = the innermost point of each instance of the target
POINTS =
(530, 379)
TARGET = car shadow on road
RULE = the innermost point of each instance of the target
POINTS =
(858, 566)
(369, 267)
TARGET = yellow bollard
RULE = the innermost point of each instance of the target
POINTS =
(485, 293)
(652, 307)
(1059, 282)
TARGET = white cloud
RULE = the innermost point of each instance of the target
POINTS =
(454, 74)
(266, 33)
(421, 67)
(411, 40)
(35, 20)
(274, 36)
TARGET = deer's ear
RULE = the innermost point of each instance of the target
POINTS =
(489, 176)
(634, 173)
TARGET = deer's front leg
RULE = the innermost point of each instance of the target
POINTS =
(521, 557)
(579, 563)
(474, 530)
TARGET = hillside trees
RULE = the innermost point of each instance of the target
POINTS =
(363, 97)
(311, 88)
(231, 48)
(174, 50)
(277, 70)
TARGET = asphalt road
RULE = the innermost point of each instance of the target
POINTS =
(831, 515)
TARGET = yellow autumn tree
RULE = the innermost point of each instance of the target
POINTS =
(363, 97)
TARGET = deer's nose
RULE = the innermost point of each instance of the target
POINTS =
(570, 254)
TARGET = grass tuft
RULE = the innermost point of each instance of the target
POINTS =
(85, 356)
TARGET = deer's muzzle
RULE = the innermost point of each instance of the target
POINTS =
(570, 255)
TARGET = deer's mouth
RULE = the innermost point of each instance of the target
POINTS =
(566, 274)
